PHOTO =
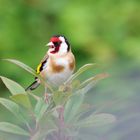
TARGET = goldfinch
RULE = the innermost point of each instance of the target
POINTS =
(57, 65)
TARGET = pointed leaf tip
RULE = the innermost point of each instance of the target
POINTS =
(22, 65)
(95, 120)
(80, 71)
(13, 86)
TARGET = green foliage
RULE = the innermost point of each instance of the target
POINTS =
(13, 108)
(40, 109)
(56, 116)
(95, 120)
(22, 99)
(22, 65)
(14, 129)
(80, 71)
(14, 87)
(72, 106)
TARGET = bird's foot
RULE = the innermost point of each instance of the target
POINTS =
(47, 97)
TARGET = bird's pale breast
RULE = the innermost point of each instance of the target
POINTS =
(58, 70)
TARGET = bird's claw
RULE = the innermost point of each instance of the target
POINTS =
(47, 97)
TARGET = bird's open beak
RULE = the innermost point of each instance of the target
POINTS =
(50, 44)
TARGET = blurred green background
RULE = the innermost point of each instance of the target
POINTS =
(106, 32)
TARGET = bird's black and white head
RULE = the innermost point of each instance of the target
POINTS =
(58, 45)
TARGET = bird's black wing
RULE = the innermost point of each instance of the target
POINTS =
(40, 67)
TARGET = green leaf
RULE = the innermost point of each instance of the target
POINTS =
(80, 71)
(89, 83)
(60, 98)
(13, 87)
(40, 109)
(22, 65)
(13, 108)
(95, 120)
(72, 106)
(14, 129)
(94, 79)
(22, 99)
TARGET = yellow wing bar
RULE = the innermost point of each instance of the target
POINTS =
(38, 68)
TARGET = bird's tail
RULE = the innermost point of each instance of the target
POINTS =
(33, 86)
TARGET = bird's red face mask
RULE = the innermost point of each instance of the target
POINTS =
(54, 44)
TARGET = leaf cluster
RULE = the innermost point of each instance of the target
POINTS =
(57, 119)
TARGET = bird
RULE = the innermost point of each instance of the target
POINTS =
(57, 65)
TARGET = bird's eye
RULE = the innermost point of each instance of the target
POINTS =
(56, 44)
